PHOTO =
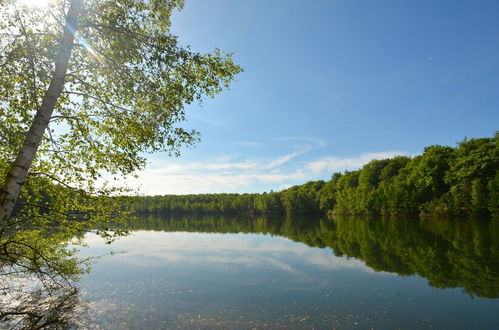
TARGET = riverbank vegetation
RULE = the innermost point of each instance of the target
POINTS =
(443, 181)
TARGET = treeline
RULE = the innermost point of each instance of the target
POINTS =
(445, 181)
(448, 252)
(295, 200)
(461, 181)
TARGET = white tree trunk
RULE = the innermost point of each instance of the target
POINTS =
(19, 169)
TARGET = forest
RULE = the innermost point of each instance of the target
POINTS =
(443, 181)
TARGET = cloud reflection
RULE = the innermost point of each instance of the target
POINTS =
(150, 248)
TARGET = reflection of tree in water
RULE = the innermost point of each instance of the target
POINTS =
(448, 252)
(38, 271)
(37, 288)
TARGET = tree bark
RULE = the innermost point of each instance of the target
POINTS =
(18, 171)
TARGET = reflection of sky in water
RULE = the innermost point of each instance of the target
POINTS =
(147, 248)
(198, 280)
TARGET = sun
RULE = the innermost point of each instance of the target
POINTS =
(35, 3)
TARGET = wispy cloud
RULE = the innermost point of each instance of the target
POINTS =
(283, 159)
(247, 144)
(334, 164)
(253, 175)
(166, 181)
(316, 142)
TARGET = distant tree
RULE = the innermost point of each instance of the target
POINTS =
(327, 194)
(474, 158)
(493, 188)
(393, 167)
(479, 197)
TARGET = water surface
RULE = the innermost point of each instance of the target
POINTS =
(306, 273)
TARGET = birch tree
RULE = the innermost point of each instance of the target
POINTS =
(89, 87)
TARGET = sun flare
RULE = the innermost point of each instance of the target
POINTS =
(35, 3)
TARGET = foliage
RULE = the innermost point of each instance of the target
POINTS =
(461, 181)
(493, 187)
(38, 270)
(127, 83)
(122, 95)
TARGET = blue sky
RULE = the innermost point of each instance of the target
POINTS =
(329, 85)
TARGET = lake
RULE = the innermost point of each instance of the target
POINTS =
(303, 273)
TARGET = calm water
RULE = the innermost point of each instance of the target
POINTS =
(212, 272)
